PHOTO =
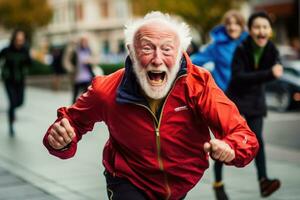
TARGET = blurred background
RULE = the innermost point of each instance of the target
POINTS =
(52, 25)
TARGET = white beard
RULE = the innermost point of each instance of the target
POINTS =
(155, 92)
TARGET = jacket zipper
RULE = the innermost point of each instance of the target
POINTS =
(158, 144)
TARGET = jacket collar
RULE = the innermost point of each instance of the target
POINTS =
(129, 89)
(219, 35)
(249, 48)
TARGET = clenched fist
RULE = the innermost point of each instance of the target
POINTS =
(61, 134)
(219, 150)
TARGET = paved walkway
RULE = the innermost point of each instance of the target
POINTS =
(28, 171)
(16, 188)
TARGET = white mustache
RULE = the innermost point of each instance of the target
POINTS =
(152, 68)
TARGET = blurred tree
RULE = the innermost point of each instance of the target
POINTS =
(25, 14)
(203, 15)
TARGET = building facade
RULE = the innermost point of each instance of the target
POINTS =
(102, 21)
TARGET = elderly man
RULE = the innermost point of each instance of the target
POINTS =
(158, 111)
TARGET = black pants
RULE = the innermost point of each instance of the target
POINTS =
(79, 88)
(122, 189)
(256, 125)
(15, 94)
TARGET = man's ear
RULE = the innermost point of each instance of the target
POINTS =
(128, 47)
(129, 50)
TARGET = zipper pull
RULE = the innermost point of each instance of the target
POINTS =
(157, 131)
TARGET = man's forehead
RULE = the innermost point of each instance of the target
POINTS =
(155, 30)
(162, 39)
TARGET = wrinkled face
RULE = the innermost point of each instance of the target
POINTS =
(156, 58)
(19, 40)
(260, 31)
(233, 29)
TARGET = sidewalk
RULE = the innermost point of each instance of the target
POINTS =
(15, 188)
(26, 166)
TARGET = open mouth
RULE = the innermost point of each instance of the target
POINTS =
(156, 78)
(261, 37)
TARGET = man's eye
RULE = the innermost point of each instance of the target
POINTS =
(147, 49)
(167, 50)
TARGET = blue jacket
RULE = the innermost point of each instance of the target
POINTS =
(220, 52)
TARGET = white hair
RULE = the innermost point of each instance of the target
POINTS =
(180, 28)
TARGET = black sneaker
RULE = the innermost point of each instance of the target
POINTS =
(268, 186)
(220, 193)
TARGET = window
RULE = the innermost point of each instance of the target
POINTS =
(79, 11)
(106, 48)
(121, 46)
(104, 8)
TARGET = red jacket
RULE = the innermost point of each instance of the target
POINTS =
(163, 157)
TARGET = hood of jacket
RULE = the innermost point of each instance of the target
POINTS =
(219, 34)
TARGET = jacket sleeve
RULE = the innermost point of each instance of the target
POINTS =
(240, 76)
(82, 116)
(203, 57)
(226, 123)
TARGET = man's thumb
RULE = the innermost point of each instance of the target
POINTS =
(207, 147)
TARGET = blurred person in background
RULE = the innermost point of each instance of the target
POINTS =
(217, 55)
(256, 62)
(158, 110)
(16, 59)
(79, 61)
(57, 66)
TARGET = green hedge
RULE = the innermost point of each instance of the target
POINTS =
(110, 68)
(39, 68)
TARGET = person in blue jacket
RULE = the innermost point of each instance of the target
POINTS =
(217, 58)
(218, 54)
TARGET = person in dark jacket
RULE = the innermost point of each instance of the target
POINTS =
(57, 67)
(256, 61)
(16, 58)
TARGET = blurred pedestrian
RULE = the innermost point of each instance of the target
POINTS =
(256, 61)
(57, 66)
(157, 111)
(218, 54)
(79, 61)
(16, 58)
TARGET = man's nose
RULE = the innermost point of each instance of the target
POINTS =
(157, 58)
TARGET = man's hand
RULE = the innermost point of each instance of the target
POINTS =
(219, 150)
(277, 70)
(61, 134)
